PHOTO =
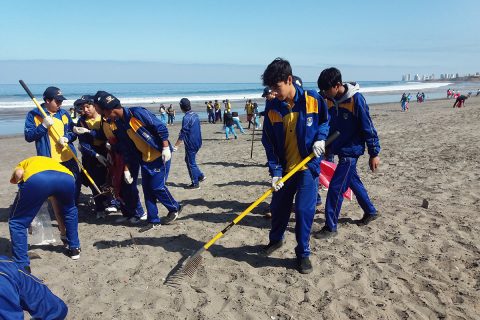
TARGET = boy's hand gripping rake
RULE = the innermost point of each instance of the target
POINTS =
(191, 265)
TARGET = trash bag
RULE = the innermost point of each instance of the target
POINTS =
(41, 228)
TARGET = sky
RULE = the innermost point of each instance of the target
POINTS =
(233, 41)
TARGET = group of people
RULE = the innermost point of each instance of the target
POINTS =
(117, 142)
(167, 115)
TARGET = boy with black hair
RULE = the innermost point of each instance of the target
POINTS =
(296, 123)
(191, 136)
(349, 115)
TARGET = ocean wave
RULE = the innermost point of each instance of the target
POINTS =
(409, 86)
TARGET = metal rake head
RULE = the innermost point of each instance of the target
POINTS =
(187, 268)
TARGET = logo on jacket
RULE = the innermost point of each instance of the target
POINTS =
(345, 116)
(309, 121)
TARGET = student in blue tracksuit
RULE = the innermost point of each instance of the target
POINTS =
(191, 136)
(39, 178)
(350, 116)
(20, 291)
(150, 137)
(296, 123)
(47, 143)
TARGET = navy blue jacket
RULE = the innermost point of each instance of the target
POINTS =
(190, 134)
(21, 291)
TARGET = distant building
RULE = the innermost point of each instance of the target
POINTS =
(416, 78)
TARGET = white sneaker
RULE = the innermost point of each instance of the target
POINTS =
(111, 209)
(121, 219)
(100, 215)
(144, 217)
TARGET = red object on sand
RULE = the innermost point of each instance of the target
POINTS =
(327, 169)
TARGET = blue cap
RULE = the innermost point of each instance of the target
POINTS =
(53, 93)
(85, 99)
(266, 91)
(105, 100)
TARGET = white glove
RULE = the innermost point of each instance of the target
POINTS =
(63, 141)
(127, 177)
(166, 154)
(175, 149)
(47, 122)
(276, 186)
(80, 130)
(108, 146)
(101, 159)
(319, 148)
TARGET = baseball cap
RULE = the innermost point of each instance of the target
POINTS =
(105, 100)
(298, 81)
(53, 93)
(85, 99)
(266, 92)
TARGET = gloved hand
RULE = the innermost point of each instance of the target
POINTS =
(127, 177)
(276, 186)
(63, 141)
(166, 154)
(175, 149)
(319, 148)
(108, 146)
(80, 130)
(47, 122)
(101, 159)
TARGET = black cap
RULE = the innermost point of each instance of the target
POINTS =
(53, 93)
(298, 81)
(85, 99)
(266, 91)
(185, 104)
(105, 100)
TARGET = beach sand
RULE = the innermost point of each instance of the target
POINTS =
(412, 262)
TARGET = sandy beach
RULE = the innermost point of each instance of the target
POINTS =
(411, 263)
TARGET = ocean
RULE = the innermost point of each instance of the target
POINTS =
(14, 102)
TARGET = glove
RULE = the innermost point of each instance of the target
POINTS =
(276, 186)
(319, 148)
(47, 122)
(101, 159)
(166, 154)
(80, 130)
(175, 149)
(63, 141)
(127, 177)
(108, 146)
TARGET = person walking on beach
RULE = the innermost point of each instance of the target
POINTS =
(350, 116)
(191, 136)
(236, 121)
(94, 153)
(163, 114)
(218, 111)
(228, 124)
(210, 112)
(21, 292)
(150, 137)
(171, 115)
(39, 178)
(295, 124)
(249, 112)
(404, 102)
(47, 143)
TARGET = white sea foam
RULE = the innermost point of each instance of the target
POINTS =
(409, 86)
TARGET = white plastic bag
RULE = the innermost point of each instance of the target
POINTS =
(42, 230)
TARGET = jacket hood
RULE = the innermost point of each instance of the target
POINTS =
(352, 88)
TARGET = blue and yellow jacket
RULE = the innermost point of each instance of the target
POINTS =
(312, 125)
(35, 131)
(20, 291)
(191, 134)
(350, 116)
(90, 146)
(146, 132)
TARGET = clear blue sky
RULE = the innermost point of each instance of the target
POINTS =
(233, 41)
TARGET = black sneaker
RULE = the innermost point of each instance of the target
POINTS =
(366, 219)
(271, 247)
(325, 233)
(172, 216)
(150, 226)
(202, 178)
(74, 253)
(304, 265)
(193, 186)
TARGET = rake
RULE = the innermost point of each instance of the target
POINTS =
(190, 265)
